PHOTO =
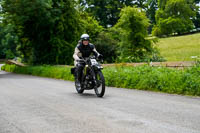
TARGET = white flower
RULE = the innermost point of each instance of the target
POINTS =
(193, 57)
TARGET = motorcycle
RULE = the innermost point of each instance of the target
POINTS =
(92, 76)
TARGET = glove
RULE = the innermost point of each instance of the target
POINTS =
(81, 58)
(100, 56)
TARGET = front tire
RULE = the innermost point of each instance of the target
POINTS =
(79, 88)
(100, 87)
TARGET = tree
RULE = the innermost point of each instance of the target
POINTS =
(107, 44)
(141, 4)
(90, 26)
(151, 12)
(105, 11)
(162, 3)
(196, 20)
(133, 25)
(174, 18)
(47, 29)
(8, 41)
(102, 11)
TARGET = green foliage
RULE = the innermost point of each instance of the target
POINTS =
(90, 26)
(162, 79)
(156, 79)
(8, 42)
(162, 3)
(57, 72)
(196, 20)
(152, 6)
(107, 11)
(107, 45)
(174, 17)
(98, 9)
(133, 25)
(47, 29)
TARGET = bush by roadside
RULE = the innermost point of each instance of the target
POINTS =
(186, 81)
(162, 79)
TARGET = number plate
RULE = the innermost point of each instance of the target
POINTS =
(94, 62)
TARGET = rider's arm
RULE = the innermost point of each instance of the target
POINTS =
(95, 52)
(76, 54)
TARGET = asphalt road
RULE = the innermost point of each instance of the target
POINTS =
(31, 104)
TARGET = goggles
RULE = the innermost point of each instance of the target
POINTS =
(85, 39)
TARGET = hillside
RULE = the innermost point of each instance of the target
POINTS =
(180, 48)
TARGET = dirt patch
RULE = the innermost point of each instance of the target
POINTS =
(178, 64)
(14, 62)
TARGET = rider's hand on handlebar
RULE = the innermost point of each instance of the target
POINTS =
(80, 59)
(100, 56)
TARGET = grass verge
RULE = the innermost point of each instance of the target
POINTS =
(58, 72)
(186, 82)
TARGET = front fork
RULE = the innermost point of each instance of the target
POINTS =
(94, 76)
(95, 79)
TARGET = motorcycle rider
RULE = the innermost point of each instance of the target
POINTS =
(83, 49)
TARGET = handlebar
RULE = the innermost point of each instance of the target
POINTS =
(85, 60)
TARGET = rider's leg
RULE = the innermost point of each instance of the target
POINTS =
(79, 72)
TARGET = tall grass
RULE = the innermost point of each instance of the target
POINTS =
(180, 48)
(155, 78)
(162, 79)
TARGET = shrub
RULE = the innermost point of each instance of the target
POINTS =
(155, 78)
(106, 44)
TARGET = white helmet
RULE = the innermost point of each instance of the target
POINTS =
(85, 37)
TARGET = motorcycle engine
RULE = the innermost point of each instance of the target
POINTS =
(89, 83)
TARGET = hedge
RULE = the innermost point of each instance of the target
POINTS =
(186, 81)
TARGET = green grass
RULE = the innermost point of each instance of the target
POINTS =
(180, 48)
(186, 81)
(57, 72)
(162, 79)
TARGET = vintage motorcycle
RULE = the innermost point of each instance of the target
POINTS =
(92, 76)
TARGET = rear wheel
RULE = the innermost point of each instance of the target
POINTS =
(100, 87)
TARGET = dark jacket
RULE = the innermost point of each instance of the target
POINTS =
(84, 51)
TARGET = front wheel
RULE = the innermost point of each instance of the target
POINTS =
(100, 87)
(78, 87)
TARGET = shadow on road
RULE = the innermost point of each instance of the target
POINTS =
(87, 95)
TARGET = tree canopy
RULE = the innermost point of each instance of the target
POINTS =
(174, 17)
(133, 25)
(107, 11)
(47, 31)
